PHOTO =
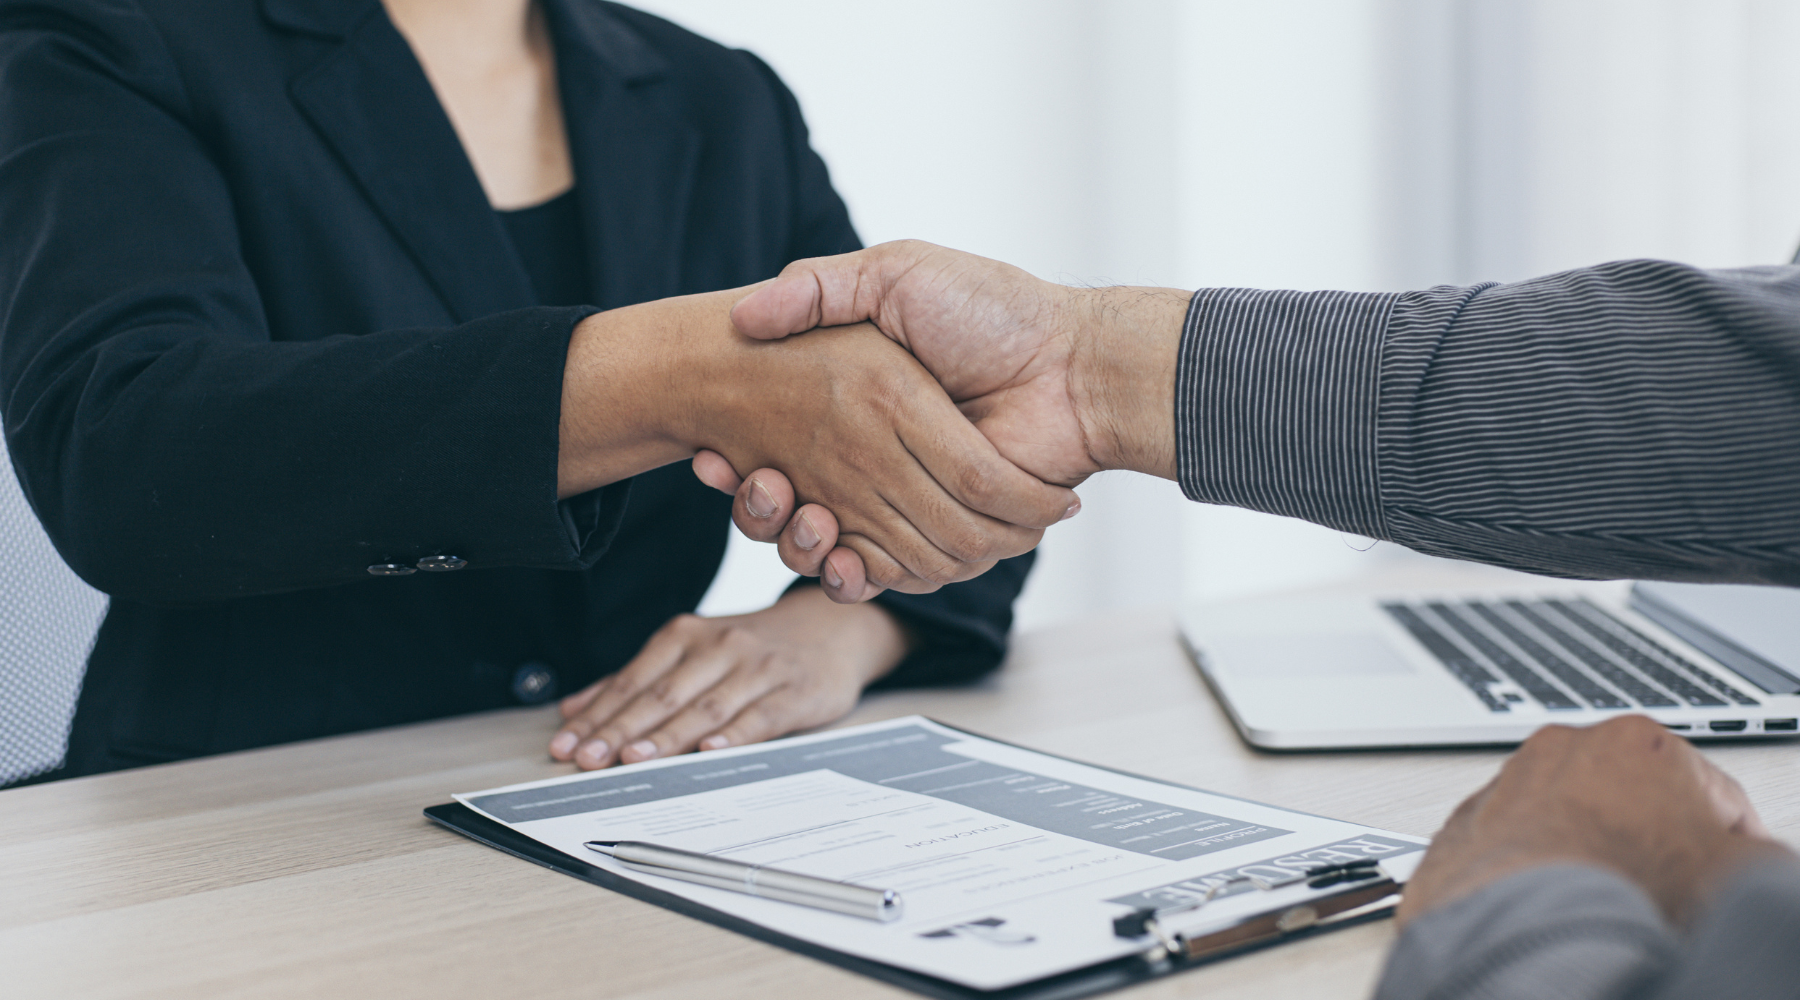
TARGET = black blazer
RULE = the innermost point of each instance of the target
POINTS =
(260, 332)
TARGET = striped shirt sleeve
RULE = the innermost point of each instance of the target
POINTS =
(1636, 419)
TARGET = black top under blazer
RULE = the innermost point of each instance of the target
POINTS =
(260, 331)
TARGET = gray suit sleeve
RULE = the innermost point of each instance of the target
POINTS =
(1562, 932)
(1571, 932)
(1635, 419)
(1744, 945)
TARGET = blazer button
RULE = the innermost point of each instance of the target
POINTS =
(391, 569)
(442, 564)
(534, 683)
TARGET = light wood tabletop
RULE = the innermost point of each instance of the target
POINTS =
(307, 870)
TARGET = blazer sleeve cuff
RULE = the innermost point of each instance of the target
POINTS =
(525, 524)
(1275, 403)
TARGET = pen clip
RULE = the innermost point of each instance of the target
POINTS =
(1142, 921)
(1146, 920)
(1360, 870)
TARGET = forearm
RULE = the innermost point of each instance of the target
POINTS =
(178, 462)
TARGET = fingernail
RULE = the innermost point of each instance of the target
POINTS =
(715, 743)
(642, 750)
(832, 580)
(1074, 508)
(593, 753)
(563, 744)
(760, 502)
(804, 534)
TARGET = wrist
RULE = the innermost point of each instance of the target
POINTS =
(627, 385)
(866, 635)
(1682, 886)
(1123, 343)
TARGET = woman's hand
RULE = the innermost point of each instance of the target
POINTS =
(852, 420)
(709, 683)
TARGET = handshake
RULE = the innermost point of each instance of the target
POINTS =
(903, 417)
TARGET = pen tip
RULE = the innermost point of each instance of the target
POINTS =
(601, 846)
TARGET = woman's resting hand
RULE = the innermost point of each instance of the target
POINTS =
(708, 683)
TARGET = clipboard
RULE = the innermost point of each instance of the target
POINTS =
(1352, 904)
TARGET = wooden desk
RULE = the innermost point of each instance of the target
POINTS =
(307, 871)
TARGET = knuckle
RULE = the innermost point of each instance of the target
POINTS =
(974, 569)
(752, 724)
(978, 485)
(967, 543)
(939, 569)
(679, 627)
(913, 585)
(741, 643)
(885, 573)
(897, 579)
(888, 395)
(760, 668)
(1550, 736)
(662, 695)
(711, 709)
(601, 709)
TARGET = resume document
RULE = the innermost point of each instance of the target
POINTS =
(1012, 864)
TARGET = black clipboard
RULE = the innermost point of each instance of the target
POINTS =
(1353, 906)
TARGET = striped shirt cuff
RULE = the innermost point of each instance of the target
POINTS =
(1275, 403)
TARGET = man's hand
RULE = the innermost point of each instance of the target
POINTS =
(1627, 795)
(708, 683)
(1064, 382)
(852, 419)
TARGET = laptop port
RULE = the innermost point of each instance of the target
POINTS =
(1680, 727)
(1781, 725)
(1728, 725)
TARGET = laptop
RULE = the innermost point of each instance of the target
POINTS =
(1715, 662)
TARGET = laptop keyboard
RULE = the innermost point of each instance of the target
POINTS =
(1564, 655)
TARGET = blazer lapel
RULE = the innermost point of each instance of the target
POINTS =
(371, 101)
(635, 156)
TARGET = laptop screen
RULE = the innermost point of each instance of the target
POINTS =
(1753, 630)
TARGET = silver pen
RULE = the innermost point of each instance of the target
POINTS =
(770, 883)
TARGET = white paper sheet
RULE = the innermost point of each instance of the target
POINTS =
(1012, 864)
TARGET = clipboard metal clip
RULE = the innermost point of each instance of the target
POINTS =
(1173, 945)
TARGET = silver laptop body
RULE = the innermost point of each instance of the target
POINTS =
(1464, 668)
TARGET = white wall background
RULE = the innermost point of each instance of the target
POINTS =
(1361, 144)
